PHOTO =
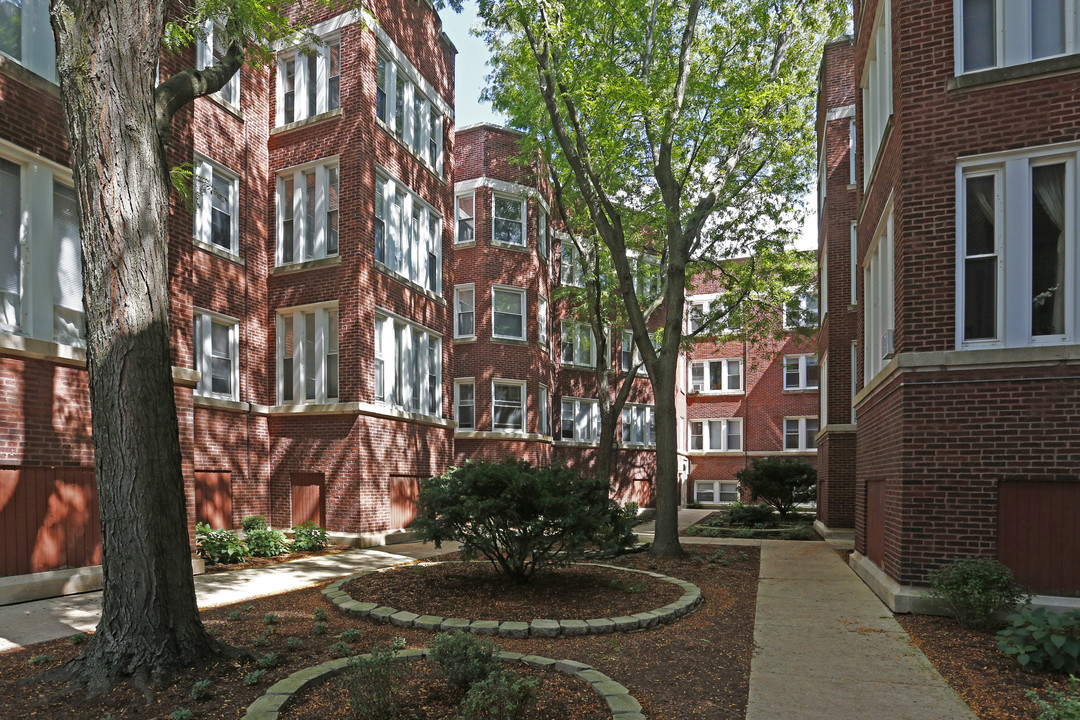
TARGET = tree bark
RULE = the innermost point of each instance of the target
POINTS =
(150, 626)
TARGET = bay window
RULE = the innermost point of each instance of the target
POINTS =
(308, 212)
(580, 420)
(465, 225)
(508, 220)
(308, 81)
(464, 311)
(408, 107)
(638, 425)
(465, 403)
(877, 90)
(878, 297)
(572, 272)
(408, 365)
(408, 236)
(578, 344)
(307, 343)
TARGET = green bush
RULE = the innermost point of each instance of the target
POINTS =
(78, 639)
(800, 532)
(977, 591)
(254, 522)
(744, 533)
(464, 658)
(40, 660)
(781, 482)
(182, 714)
(341, 649)
(271, 619)
(219, 546)
(268, 661)
(372, 681)
(319, 628)
(750, 515)
(522, 519)
(351, 635)
(1043, 640)
(201, 689)
(294, 643)
(267, 543)
(309, 536)
(499, 696)
(1059, 705)
(254, 677)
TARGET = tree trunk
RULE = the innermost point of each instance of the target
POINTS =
(666, 536)
(150, 626)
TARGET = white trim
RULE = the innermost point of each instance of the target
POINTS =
(524, 405)
(458, 383)
(837, 113)
(706, 386)
(387, 44)
(470, 287)
(592, 422)
(706, 445)
(803, 360)
(204, 170)
(523, 219)
(803, 446)
(204, 320)
(524, 311)
(505, 188)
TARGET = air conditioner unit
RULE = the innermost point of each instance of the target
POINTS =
(888, 339)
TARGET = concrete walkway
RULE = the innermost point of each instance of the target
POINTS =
(43, 620)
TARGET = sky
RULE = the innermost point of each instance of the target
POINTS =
(470, 79)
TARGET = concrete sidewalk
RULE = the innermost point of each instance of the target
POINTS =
(826, 647)
(41, 620)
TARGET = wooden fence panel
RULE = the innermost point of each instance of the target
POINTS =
(404, 490)
(213, 499)
(1039, 534)
(308, 502)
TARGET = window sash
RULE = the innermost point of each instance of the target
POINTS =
(216, 211)
(465, 222)
(216, 343)
(580, 420)
(716, 434)
(508, 313)
(308, 213)
(465, 405)
(464, 311)
(509, 216)
(408, 366)
(716, 376)
(416, 120)
(578, 344)
(508, 407)
(408, 234)
(312, 74)
(308, 355)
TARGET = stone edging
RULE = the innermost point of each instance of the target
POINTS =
(622, 704)
(690, 599)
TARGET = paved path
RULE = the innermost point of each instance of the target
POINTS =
(42, 620)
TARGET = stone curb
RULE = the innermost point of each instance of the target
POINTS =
(548, 628)
(620, 702)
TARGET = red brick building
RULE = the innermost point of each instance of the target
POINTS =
(968, 307)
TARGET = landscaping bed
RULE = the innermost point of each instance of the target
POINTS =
(663, 668)
(254, 562)
(991, 682)
(719, 524)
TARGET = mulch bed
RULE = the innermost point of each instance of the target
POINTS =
(716, 525)
(425, 695)
(990, 681)
(477, 591)
(697, 667)
(253, 562)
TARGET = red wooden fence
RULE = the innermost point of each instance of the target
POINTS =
(1039, 534)
(404, 489)
(48, 519)
(213, 498)
(875, 521)
(308, 502)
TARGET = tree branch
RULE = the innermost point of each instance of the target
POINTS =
(186, 85)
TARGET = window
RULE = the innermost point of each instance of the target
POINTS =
(854, 263)
(716, 491)
(800, 372)
(408, 366)
(1016, 279)
(507, 312)
(408, 240)
(580, 420)
(695, 315)
(823, 396)
(578, 344)
(638, 425)
(542, 320)
(216, 206)
(464, 311)
(542, 236)
(823, 280)
(69, 321)
(718, 435)
(646, 272)
(822, 176)
(878, 296)
(211, 50)
(465, 221)
(544, 406)
(800, 433)
(716, 376)
(507, 406)
(630, 353)
(307, 355)
(996, 33)
(572, 272)
(309, 81)
(465, 404)
(216, 355)
(406, 106)
(308, 213)
(852, 136)
(854, 376)
(710, 311)
(11, 223)
(26, 36)
(877, 87)
(508, 225)
(801, 310)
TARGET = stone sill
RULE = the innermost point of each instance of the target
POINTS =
(297, 267)
(995, 77)
(313, 120)
(218, 252)
(492, 435)
(398, 277)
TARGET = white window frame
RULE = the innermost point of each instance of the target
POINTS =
(419, 110)
(323, 241)
(876, 85)
(806, 443)
(320, 347)
(543, 418)
(204, 320)
(823, 396)
(638, 419)
(542, 248)
(524, 405)
(878, 296)
(522, 219)
(37, 48)
(542, 322)
(801, 362)
(823, 282)
(854, 263)
(718, 488)
(808, 302)
(581, 434)
(407, 249)
(407, 366)
(524, 311)
(204, 55)
(574, 330)
(646, 273)
(458, 218)
(302, 80)
(706, 436)
(852, 139)
(458, 403)
(69, 311)
(1012, 34)
(571, 272)
(459, 310)
(205, 170)
(629, 354)
(706, 377)
(854, 376)
(1013, 217)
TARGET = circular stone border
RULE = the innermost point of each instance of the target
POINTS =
(622, 704)
(690, 599)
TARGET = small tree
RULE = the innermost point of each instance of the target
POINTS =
(781, 482)
(522, 519)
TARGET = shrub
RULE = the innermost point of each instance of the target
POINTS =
(499, 696)
(201, 689)
(182, 714)
(41, 660)
(78, 639)
(1059, 705)
(977, 591)
(801, 532)
(271, 619)
(267, 543)
(294, 643)
(309, 536)
(694, 506)
(269, 660)
(219, 546)
(341, 649)
(371, 682)
(262, 639)
(464, 658)
(744, 532)
(781, 482)
(254, 677)
(254, 522)
(520, 518)
(321, 614)
(351, 635)
(750, 515)
(1043, 640)
(319, 629)
(234, 615)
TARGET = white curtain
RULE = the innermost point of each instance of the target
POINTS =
(1048, 185)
